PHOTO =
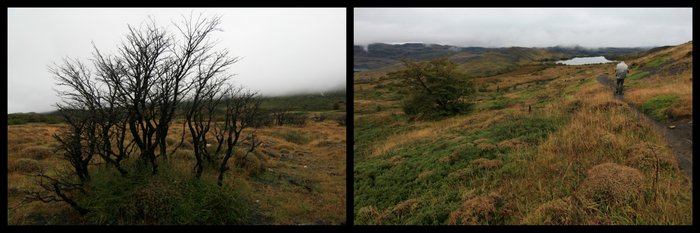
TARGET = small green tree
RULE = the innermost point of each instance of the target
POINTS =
(433, 89)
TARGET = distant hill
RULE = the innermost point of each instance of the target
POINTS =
(31, 117)
(477, 61)
(326, 101)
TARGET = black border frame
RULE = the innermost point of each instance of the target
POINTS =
(349, 225)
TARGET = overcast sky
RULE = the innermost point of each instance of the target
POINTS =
(526, 27)
(283, 50)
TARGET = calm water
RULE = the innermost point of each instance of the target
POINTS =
(584, 61)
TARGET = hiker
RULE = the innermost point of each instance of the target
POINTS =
(621, 72)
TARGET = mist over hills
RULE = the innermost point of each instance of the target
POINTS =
(378, 55)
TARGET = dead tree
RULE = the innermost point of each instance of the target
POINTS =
(241, 110)
(80, 140)
(57, 189)
(154, 68)
(113, 114)
(199, 113)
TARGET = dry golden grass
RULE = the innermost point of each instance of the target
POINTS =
(602, 130)
(645, 156)
(612, 184)
(453, 157)
(404, 207)
(552, 182)
(555, 212)
(487, 164)
(512, 144)
(674, 78)
(423, 175)
(372, 216)
(320, 162)
(37, 152)
(477, 210)
(24, 165)
(404, 138)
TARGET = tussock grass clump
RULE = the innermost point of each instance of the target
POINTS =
(487, 209)
(424, 175)
(37, 152)
(252, 163)
(295, 137)
(611, 184)
(171, 141)
(150, 203)
(184, 154)
(644, 156)
(185, 144)
(556, 212)
(486, 146)
(452, 158)
(24, 165)
(171, 197)
(461, 173)
(608, 105)
(369, 215)
(487, 164)
(403, 208)
(511, 144)
(395, 160)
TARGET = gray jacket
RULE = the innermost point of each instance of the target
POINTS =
(621, 70)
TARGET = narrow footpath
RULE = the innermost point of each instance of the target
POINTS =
(680, 138)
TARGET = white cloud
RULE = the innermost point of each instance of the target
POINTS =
(529, 27)
(284, 50)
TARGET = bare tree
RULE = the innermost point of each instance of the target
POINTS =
(153, 71)
(128, 101)
(199, 113)
(80, 140)
(57, 189)
(241, 110)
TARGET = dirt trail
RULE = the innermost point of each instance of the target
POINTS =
(680, 138)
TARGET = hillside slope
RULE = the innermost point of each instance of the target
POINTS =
(474, 61)
(543, 145)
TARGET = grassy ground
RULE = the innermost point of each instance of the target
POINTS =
(578, 157)
(295, 177)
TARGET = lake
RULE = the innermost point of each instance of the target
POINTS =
(584, 61)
